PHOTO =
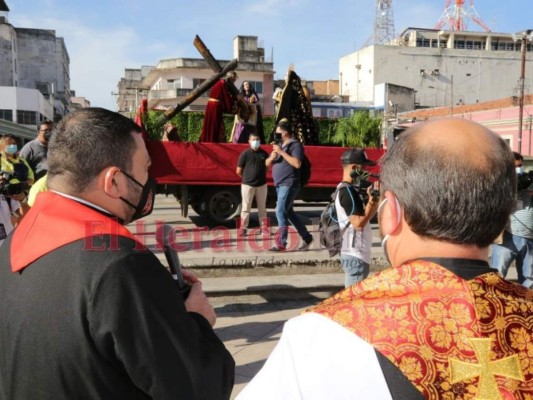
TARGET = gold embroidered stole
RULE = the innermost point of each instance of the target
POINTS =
(454, 339)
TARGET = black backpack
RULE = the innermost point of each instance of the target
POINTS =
(328, 227)
(305, 169)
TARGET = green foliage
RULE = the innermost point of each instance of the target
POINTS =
(359, 130)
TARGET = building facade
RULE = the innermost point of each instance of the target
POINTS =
(445, 68)
(170, 81)
(34, 75)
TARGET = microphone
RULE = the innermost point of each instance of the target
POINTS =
(162, 236)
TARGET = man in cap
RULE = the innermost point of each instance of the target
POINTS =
(354, 218)
(440, 323)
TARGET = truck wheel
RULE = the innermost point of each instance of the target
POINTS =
(222, 205)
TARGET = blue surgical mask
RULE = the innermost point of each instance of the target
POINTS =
(255, 144)
(11, 148)
(519, 170)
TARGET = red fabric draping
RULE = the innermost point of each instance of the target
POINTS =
(220, 101)
(215, 163)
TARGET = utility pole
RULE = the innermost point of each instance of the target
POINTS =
(522, 86)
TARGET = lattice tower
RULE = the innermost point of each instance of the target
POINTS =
(384, 22)
(457, 16)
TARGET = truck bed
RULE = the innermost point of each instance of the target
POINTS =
(215, 163)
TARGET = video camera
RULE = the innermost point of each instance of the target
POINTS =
(10, 185)
(524, 180)
(362, 183)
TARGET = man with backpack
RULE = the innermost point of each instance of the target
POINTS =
(354, 217)
(287, 159)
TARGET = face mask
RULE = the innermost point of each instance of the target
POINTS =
(146, 202)
(277, 138)
(47, 135)
(387, 236)
(356, 173)
(11, 148)
(255, 144)
(519, 170)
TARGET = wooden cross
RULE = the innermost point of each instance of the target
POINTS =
(486, 369)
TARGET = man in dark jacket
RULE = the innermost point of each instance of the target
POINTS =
(87, 312)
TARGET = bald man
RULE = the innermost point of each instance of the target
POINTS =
(438, 324)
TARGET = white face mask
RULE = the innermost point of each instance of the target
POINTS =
(254, 144)
(519, 170)
(387, 236)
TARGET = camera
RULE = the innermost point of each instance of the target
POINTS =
(362, 183)
(10, 185)
(524, 180)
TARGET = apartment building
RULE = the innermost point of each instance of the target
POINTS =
(444, 67)
(171, 80)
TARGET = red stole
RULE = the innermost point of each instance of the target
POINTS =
(454, 339)
(55, 221)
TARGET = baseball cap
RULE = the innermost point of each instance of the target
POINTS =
(356, 156)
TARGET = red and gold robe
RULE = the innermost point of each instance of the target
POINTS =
(452, 338)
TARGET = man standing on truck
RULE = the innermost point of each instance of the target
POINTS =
(286, 159)
(251, 167)
(220, 101)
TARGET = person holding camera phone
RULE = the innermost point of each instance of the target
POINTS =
(87, 311)
(286, 159)
(354, 218)
(517, 238)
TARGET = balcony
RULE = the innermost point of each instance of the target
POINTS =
(171, 94)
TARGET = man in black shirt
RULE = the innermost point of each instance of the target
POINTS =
(252, 168)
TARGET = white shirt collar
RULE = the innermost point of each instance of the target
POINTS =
(87, 203)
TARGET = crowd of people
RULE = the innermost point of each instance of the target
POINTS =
(88, 311)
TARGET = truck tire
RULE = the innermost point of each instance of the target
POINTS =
(221, 205)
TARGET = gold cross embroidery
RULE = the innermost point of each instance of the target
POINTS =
(486, 369)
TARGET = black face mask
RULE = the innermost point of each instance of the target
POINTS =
(277, 138)
(356, 173)
(47, 135)
(146, 202)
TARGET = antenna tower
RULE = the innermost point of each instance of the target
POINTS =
(457, 16)
(384, 23)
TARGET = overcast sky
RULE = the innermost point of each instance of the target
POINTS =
(105, 37)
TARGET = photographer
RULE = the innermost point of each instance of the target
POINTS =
(16, 177)
(517, 240)
(354, 218)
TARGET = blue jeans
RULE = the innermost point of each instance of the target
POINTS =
(285, 214)
(515, 248)
(355, 269)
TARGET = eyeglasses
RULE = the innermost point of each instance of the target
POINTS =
(45, 130)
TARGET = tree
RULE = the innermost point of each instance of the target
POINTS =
(359, 130)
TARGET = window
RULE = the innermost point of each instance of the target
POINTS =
(459, 44)
(26, 117)
(197, 82)
(257, 85)
(173, 83)
(6, 115)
